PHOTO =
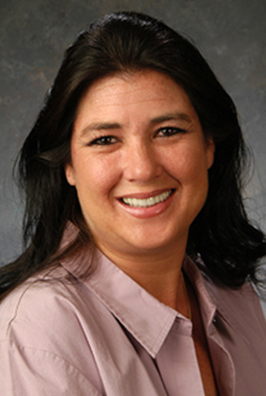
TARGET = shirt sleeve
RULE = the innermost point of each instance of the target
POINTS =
(30, 372)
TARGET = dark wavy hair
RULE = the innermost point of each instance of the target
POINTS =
(229, 244)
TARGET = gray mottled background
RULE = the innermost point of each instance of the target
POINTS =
(33, 35)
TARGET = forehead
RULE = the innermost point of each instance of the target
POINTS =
(148, 89)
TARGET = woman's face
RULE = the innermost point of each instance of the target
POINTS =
(139, 163)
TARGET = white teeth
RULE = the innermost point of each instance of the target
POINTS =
(145, 203)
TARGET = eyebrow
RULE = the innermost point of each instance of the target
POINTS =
(171, 116)
(99, 126)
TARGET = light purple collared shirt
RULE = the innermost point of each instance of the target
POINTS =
(108, 336)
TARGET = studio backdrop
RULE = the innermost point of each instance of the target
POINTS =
(231, 34)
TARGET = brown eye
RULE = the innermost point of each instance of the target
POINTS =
(103, 141)
(170, 131)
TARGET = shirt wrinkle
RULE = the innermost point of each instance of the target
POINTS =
(14, 315)
(46, 352)
(125, 342)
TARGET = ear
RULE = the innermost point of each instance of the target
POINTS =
(210, 152)
(70, 175)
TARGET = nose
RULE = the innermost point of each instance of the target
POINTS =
(141, 162)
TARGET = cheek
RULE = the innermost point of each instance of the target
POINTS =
(95, 176)
(187, 164)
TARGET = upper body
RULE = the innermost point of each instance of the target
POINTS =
(139, 146)
(108, 336)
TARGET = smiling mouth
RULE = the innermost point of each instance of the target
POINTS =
(147, 202)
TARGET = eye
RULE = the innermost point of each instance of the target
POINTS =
(103, 141)
(170, 131)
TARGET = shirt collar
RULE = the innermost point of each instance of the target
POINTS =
(146, 318)
(203, 285)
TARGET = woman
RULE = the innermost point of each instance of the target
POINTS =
(136, 278)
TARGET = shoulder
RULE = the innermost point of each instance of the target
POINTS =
(239, 328)
(37, 295)
(239, 306)
(44, 303)
(42, 322)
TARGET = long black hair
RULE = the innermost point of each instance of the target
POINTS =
(229, 244)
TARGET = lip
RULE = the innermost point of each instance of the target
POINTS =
(147, 212)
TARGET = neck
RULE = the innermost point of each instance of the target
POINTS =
(160, 274)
